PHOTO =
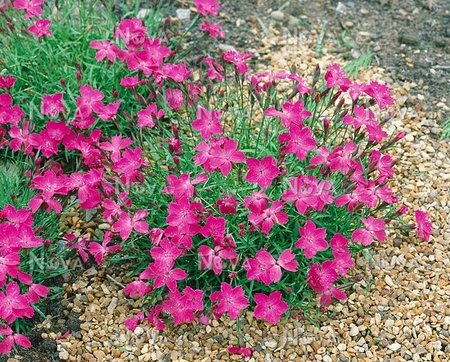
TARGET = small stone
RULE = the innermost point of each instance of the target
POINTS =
(143, 13)
(395, 346)
(389, 281)
(104, 226)
(277, 15)
(100, 355)
(226, 47)
(183, 14)
(138, 331)
(64, 355)
(409, 39)
(354, 331)
(271, 343)
(112, 306)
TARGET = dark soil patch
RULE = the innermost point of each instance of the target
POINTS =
(409, 38)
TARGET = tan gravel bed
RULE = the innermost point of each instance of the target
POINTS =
(400, 310)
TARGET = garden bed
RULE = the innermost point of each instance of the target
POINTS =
(397, 296)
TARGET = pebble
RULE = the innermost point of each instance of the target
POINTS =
(277, 15)
(354, 331)
(63, 354)
(271, 344)
(395, 346)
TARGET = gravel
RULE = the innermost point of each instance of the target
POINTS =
(399, 310)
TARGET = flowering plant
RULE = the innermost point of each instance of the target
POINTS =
(227, 191)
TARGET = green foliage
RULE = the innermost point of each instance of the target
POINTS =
(446, 129)
(52, 64)
(355, 66)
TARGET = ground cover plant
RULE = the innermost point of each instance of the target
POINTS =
(225, 189)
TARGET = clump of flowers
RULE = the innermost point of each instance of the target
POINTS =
(18, 293)
(228, 193)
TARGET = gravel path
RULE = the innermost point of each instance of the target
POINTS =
(398, 310)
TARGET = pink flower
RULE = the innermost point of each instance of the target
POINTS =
(9, 263)
(224, 153)
(137, 288)
(175, 98)
(215, 228)
(9, 339)
(14, 305)
(287, 261)
(335, 77)
(36, 292)
(44, 143)
(90, 100)
(115, 145)
(207, 122)
(132, 323)
(380, 93)
(213, 258)
(154, 318)
(342, 258)
(98, 251)
(214, 30)
(20, 138)
(356, 89)
(299, 141)
(270, 307)
(194, 91)
(79, 245)
(52, 104)
(293, 113)
(204, 319)
(266, 218)
(183, 306)
(342, 156)
(57, 131)
(308, 192)
(215, 69)
(108, 111)
(227, 205)
(166, 252)
(256, 202)
(129, 164)
(264, 268)
(105, 49)
(321, 279)
(132, 32)
(41, 28)
(207, 7)
(374, 229)
(148, 115)
(229, 300)
(182, 213)
(176, 72)
(32, 7)
(163, 274)
(383, 164)
(262, 172)
(50, 185)
(126, 224)
(179, 187)
(243, 351)
(7, 81)
(312, 239)
(424, 226)
(238, 59)
(130, 82)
